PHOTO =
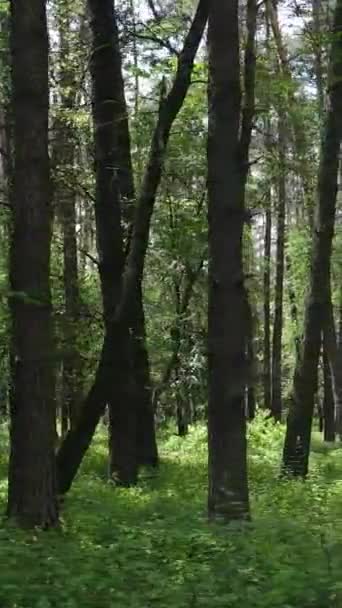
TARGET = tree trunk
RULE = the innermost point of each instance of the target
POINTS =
(299, 423)
(77, 442)
(32, 497)
(107, 108)
(227, 315)
(276, 406)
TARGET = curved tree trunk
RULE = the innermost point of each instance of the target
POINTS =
(227, 311)
(77, 442)
(299, 423)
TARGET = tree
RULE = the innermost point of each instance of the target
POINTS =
(227, 312)
(115, 340)
(32, 497)
(299, 422)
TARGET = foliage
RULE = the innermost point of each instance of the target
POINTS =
(152, 545)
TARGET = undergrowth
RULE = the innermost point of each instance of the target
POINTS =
(152, 546)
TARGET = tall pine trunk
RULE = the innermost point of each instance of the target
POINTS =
(32, 497)
(227, 311)
(299, 422)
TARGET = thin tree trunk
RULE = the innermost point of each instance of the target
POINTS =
(32, 499)
(299, 423)
(276, 406)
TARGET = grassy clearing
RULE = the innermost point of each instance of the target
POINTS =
(152, 546)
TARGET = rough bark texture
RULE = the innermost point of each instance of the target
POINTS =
(298, 432)
(276, 406)
(78, 441)
(147, 452)
(32, 483)
(227, 316)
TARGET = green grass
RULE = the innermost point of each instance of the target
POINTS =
(153, 547)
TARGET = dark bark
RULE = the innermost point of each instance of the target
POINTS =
(227, 314)
(108, 107)
(32, 497)
(147, 452)
(276, 405)
(78, 441)
(168, 111)
(299, 423)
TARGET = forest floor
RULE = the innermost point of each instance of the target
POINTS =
(152, 546)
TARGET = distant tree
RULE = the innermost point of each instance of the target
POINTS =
(299, 422)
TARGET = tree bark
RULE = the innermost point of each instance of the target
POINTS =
(108, 108)
(32, 497)
(78, 441)
(227, 314)
(267, 311)
(299, 423)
